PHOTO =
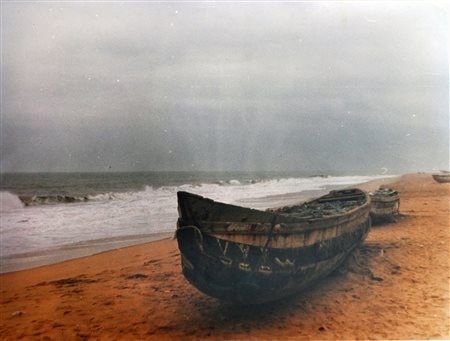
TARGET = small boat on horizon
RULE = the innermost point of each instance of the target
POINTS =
(385, 205)
(442, 178)
(249, 256)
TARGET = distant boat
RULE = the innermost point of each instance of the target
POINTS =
(445, 177)
(385, 205)
(243, 255)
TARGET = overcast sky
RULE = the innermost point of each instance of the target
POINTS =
(313, 86)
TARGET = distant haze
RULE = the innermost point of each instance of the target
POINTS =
(310, 86)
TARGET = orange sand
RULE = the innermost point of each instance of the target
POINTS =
(139, 292)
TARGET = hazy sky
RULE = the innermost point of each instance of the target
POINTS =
(331, 86)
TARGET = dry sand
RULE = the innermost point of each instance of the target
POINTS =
(395, 286)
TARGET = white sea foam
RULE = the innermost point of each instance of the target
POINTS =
(9, 202)
(131, 213)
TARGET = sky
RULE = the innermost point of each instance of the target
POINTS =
(356, 87)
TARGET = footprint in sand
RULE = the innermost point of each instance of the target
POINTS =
(73, 281)
(152, 261)
(137, 276)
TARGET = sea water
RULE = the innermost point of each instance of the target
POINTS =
(64, 208)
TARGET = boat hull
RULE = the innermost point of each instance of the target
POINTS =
(441, 178)
(385, 208)
(246, 275)
(250, 265)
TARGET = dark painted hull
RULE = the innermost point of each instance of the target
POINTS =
(441, 178)
(245, 268)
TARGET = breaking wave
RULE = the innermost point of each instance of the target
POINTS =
(230, 191)
(9, 202)
(50, 199)
(52, 220)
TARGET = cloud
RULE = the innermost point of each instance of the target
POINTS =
(223, 86)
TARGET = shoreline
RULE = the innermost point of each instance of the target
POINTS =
(394, 286)
(60, 253)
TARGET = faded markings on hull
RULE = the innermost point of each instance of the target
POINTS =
(223, 248)
(306, 268)
(244, 250)
(277, 241)
(282, 241)
(286, 263)
(301, 256)
(262, 290)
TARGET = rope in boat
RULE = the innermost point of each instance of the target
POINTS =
(249, 279)
(269, 238)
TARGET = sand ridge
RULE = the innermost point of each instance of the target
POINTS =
(394, 286)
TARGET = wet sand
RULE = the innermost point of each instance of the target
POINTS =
(61, 253)
(395, 286)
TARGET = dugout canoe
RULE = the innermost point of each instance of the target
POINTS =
(384, 205)
(249, 256)
(441, 178)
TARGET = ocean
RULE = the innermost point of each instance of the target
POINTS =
(42, 211)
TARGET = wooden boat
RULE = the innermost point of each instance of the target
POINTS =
(385, 205)
(441, 178)
(247, 256)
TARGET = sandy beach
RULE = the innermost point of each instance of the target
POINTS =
(394, 286)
